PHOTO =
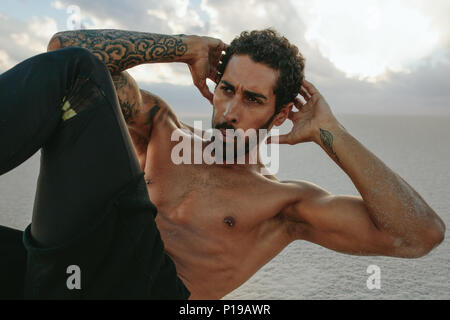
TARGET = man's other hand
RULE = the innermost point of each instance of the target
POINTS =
(309, 118)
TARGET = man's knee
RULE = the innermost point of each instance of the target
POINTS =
(85, 60)
(75, 52)
(78, 62)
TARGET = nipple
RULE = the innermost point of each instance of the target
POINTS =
(229, 221)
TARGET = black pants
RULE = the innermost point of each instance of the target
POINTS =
(65, 104)
(13, 259)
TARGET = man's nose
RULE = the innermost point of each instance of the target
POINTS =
(231, 114)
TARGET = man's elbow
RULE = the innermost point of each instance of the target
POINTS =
(55, 42)
(436, 235)
(429, 241)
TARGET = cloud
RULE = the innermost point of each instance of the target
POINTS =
(378, 36)
(43, 27)
(169, 16)
(57, 5)
(5, 61)
(178, 16)
(19, 40)
(229, 18)
(218, 18)
(437, 11)
(36, 35)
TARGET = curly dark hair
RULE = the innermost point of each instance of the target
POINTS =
(268, 47)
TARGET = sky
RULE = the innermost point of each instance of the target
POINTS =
(365, 56)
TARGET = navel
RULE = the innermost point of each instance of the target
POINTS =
(229, 221)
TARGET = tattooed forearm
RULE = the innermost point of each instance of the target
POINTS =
(327, 140)
(121, 50)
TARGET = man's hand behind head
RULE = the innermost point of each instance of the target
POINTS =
(203, 65)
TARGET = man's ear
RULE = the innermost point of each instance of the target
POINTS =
(281, 117)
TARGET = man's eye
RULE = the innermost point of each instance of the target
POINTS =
(254, 100)
(227, 89)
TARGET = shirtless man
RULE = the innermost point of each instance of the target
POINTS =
(222, 223)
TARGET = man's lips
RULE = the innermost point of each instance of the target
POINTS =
(223, 134)
(227, 134)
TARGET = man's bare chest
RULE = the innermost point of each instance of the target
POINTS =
(214, 198)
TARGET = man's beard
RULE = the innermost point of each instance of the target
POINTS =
(233, 147)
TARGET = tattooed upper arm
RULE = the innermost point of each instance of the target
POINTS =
(130, 98)
(158, 112)
(142, 110)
